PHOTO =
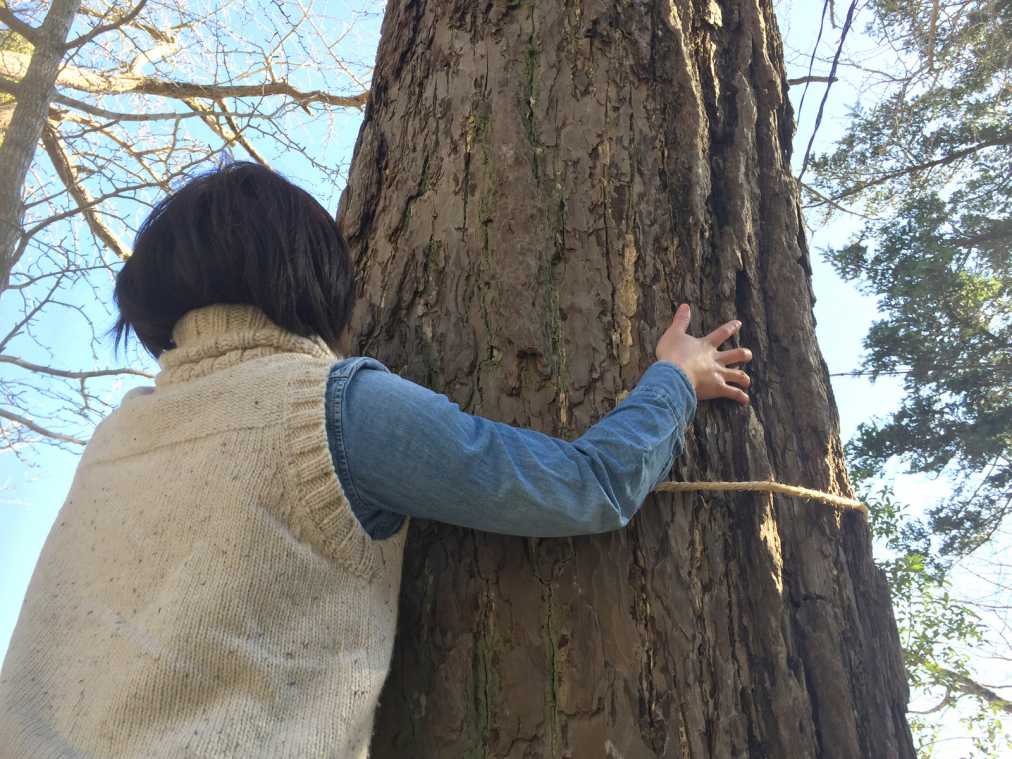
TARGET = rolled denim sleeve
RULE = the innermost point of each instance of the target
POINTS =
(401, 449)
(632, 448)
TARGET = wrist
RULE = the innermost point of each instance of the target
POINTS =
(684, 369)
(667, 383)
(684, 380)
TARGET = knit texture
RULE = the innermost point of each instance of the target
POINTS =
(206, 590)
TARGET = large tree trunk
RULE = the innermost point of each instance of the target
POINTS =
(21, 134)
(535, 188)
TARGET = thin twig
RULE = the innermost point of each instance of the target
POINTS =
(28, 365)
(103, 28)
(932, 31)
(68, 174)
(952, 157)
(808, 79)
(39, 429)
(825, 95)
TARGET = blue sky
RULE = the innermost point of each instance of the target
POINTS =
(31, 497)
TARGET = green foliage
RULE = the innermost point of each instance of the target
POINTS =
(935, 629)
(926, 161)
(933, 626)
(930, 165)
(947, 326)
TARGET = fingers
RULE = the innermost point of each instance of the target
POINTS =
(737, 377)
(734, 394)
(683, 314)
(734, 356)
(723, 333)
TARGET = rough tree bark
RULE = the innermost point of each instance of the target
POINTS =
(535, 187)
(34, 93)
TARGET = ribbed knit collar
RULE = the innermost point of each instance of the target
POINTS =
(216, 337)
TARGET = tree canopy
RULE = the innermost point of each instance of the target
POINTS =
(925, 164)
(140, 97)
(929, 167)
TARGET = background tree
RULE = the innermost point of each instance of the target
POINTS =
(535, 187)
(124, 102)
(925, 163)
(929, 161)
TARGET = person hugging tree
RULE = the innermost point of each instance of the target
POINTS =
(223, 577)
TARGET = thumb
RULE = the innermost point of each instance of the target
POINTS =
(682, 317)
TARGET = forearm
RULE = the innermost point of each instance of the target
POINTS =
(401, 448)
(633, 447)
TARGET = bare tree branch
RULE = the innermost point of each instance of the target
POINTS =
(125, 116)
(231, 135)
(104, 113)
(103, 28)
(932, 31)
(240, 137)
(825, 95)
(13, 66)
(832, 203)
(54, 372)
(35, 90)
(946, 701)
(944, 160)
(970, 687)
(810, 79)
(81, 208)
(16, 329)
(30, 33)
(180, 90)
(151, 31)
(149, 55)
(68, 174)
(39, 429)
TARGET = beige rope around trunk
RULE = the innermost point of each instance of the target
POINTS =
(766, 486)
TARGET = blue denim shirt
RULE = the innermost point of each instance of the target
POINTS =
(401, 449)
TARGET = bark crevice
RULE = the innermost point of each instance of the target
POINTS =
(556, 177)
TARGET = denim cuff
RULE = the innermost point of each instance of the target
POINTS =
(670, 382)
(378, 523)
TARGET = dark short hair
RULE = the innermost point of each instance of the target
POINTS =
(239, 234)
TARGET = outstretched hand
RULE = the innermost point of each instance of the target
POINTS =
(707, 367)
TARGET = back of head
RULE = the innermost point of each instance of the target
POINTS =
(239, 234)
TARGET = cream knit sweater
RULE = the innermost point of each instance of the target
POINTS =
(206, 590)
